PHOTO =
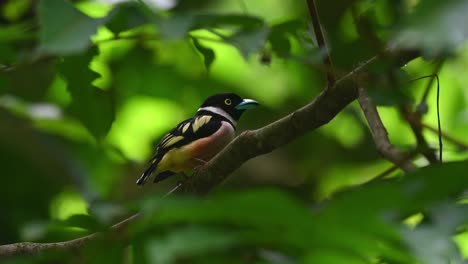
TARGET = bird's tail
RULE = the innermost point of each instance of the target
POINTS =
(145, 175)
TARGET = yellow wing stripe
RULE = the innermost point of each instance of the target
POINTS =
(166, 138)
(196, 124)
(185, 127)
(199, 122)
(171, 141)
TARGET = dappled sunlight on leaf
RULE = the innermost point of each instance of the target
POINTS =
(66, 204)
(462, 242)
(345, 129)
(139, 123)
(98, 114)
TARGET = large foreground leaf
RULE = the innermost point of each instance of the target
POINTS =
(357, 225)
(436, 27)
(92, 106)
(63, 29)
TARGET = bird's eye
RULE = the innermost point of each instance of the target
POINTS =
(228, 101)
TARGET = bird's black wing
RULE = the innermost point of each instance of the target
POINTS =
(185, 132)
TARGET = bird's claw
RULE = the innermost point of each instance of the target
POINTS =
(203, 162)
(200, 168)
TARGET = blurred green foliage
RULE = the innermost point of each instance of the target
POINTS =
(88, 87)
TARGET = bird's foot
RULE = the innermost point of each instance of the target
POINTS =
(202, 162)
(200, 168)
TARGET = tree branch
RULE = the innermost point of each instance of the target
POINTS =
(246, 146)
(380, 135)
(414, 119)
(31, 248)
(321, 41)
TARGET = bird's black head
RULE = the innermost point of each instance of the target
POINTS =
(230, 103)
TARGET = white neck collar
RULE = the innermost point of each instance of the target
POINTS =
(218, 111)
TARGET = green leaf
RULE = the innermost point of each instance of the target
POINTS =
(188, 242)
(436, 27)
(126, 17)
(368, 217)
(419, 189)
(16, 32)
(280, 33)
(92, 106)
(254, 208)
(103, 251)
(40, 75)
(252, 214)
(135, 75)
(83, 221)
(177, 26)
(41, 160)
(207, 53)
(10, 38)
(214, 20)
(63, 29)
(432, 242)
(14, 10)
(280, 44)
(8, 55)
(249, 41)
(389, 97)
(333, 256)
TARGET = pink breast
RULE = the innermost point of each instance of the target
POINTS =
(208, 147)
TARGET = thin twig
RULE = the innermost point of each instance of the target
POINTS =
(321, 41)
(358, 69)
(385, 173)
(439, 127)
(422, 109)
(460, 144)
(393, 168)
(414, 120)
(437, 68)
(379, 133)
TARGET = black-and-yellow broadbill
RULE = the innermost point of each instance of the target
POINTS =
(196, 140)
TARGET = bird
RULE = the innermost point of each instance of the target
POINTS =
(194, 141)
